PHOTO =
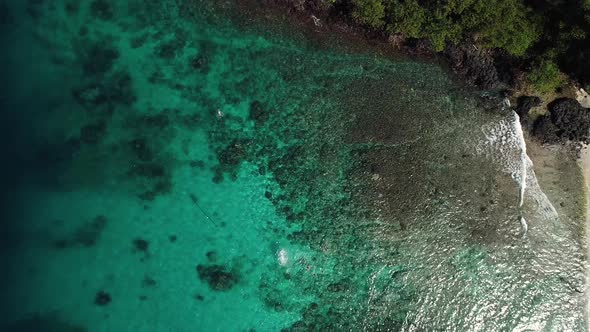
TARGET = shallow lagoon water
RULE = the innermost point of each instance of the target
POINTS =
(181, 166)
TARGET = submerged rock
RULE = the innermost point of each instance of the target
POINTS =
(218, 277)
(102, 298)
(93, 133)
(258, 113)
(99, 59)
(102, 10)
(43, 322)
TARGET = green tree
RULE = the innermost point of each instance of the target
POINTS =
(369, 12)
(545, 77)
(507, 24)
(406, 17)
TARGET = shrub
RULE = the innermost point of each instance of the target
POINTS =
(406, 17)
(507, 24)
(369, 12)
(545, 77)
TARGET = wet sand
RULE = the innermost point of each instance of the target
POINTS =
(585, 165)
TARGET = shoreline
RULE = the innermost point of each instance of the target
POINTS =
(584, 163)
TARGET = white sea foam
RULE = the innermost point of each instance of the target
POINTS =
(505, 145)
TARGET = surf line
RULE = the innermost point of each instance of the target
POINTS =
(523, 172)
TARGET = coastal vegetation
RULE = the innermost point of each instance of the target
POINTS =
(543, 38)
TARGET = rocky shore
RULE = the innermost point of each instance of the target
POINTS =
(559, 118)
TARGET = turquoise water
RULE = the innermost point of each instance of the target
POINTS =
(189, 166)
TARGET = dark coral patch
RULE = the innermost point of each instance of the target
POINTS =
(114, 90)
(86, 235)
(147, 170)
(258, 113)
(93, 133)
(99, 59)
(101, 9)
(141, 245)
(102, 298)
(199, 63)
(148, 282)
(44, 322)
(218, 277)
(161, 187)
(233, 154)
(141, 149)
(174, 47)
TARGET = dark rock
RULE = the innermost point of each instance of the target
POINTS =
(199, 297)
(83, 31)
(147, 170)
(571, 119)
(218, 176)
(172, 48)
(148, 282)
(42, 323)
(340, 286)
(190, 120)
(567, 121)
(120, 89)
(99, 59)
(138, 41)
(86, 235)
(141, 149)
(159, 121)
(524, 105)
(474, 66)
(172, 238)
(72, 7)
(52, 154)
(89, 95)
(211, 256)
(197, 164)
(93, 133)
(117, 89)
(233, 154)
(6, 16)
(163, 186)
(102, 298)
(258, 113)
(101, 9)
(545, 130)
(199, 63)
(218, 277)
(141, 245)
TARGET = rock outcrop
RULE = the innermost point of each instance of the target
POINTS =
(567, 121)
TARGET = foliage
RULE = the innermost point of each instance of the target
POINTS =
(407, 18)
(555, 30)
(508, 25)
(545, 77)
(504, 24)
(369, 12)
